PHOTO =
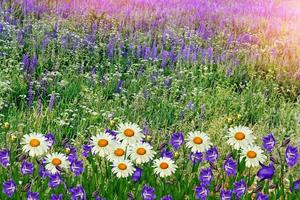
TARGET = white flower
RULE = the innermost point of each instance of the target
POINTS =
(164, 167)
(198, 142)
(141, 153)
(101, 144)
(122, 168)
(254, 155)
(117, 152)
(35, 143)
(240, 137)
(129, 133)
(55, 160)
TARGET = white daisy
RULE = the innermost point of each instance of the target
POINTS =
(35, 143)
(141, 153)
(101, 144)
(254, 155)
(129, 133)
(122, 168)
(198, 141)
(118, 151)
(240, 137)
(56, 160)
(164, 167)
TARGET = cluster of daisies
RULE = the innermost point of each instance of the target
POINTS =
(124, 150)
(241, 138)
(128, 148)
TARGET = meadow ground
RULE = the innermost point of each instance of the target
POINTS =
(149, 100)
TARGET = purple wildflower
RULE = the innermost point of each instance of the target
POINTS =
(291, 155)
(261, 196)
(26, 62)
(196, 157)
(177, 140)
(77, 167)
(86, 150)
(266, 172)
(166, 153)
(54, 180)
(269, 142)
(51, 102)
(230, 167)
(148, 193)
(4, 157)
(137, 174)
(33, 64)
(201, 192)
(9, 188)
(111, 132)
(42, 171)
(212, 155)
(240, 188)
(77, 193)
(225, 194)
(190, 106)
(56, 197)
(72, 156)
(27, 167)
(168, 82)
(296, 186)
(119, 86)
(32, 195)
(30, 94)
(206, 175)
(50, 139)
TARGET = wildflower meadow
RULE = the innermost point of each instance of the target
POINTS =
(149, 99)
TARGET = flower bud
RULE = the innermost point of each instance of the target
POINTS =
(67, 151)
(229, 120)
(13, 137)
(27, 187)
(6, 125)
(112, 122)
(285, 142)
(176, 155)
(218, 187)
(148, 138)
(130, 196)
(95, 194)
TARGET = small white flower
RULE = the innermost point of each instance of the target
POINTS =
(129, 133)
(123, 168)
(240, 137)
(55, 160)
(164, 167)
(198, 142)
(141, 153)
(254, 155)
(35, 144)
(101, 144)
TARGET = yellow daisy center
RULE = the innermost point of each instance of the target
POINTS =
(34, 142)
(102, 143)
(56, 161)
(129, 132)
(239, 135)
(141, 151)
(198, 140)
(164, 165)
(251, 154)
(122, 166)
(119, 152)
